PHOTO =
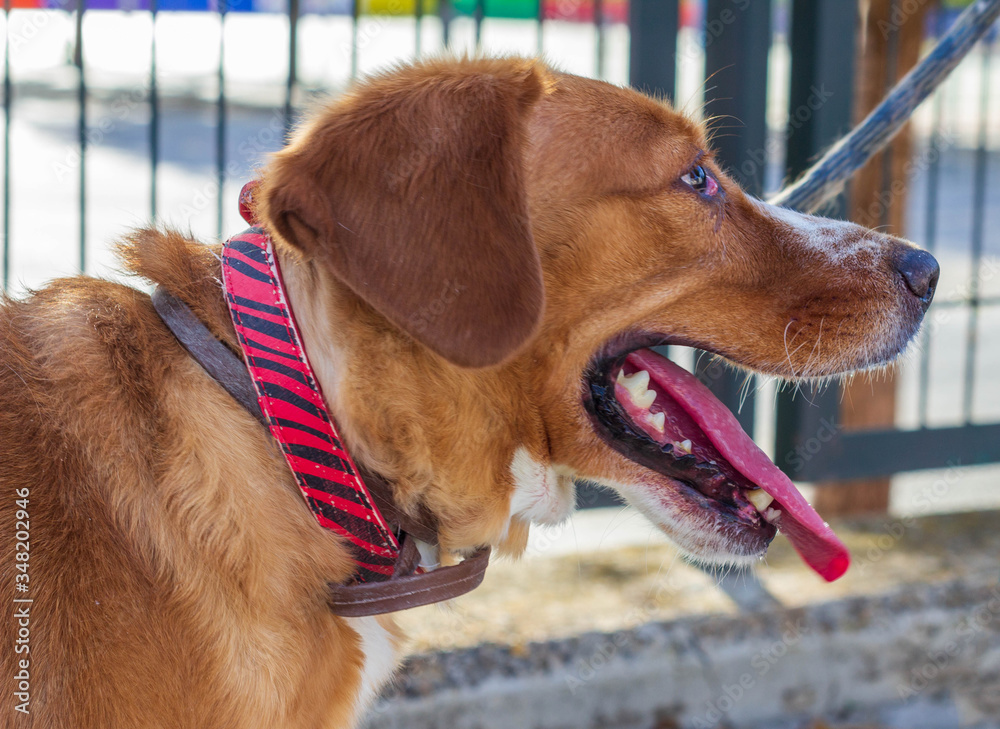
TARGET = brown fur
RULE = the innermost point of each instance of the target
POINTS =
(178, 580)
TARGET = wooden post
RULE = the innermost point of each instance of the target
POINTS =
(892, 33)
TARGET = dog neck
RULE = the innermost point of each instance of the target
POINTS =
(467, 445)
(416, 419)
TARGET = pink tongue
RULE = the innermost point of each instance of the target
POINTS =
(811, 537)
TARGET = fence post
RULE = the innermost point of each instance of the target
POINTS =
(737, 42)
(820, 100)
(653, 26)
(877, 200)
(81, 127)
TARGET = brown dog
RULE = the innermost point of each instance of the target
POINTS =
(471, 249)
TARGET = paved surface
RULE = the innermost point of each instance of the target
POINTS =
(909, 639)
(572, 581)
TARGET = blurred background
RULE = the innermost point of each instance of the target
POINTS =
(121, 112)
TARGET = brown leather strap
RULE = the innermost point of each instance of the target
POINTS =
(406, 588)
(218, 360)
(409, 590)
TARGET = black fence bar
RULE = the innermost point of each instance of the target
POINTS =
(154, 116)
(599, 38)
(81, 89)
(981, 301)
(592, 496)
(978, 228)
(805, 414)
(446, 13)
(653, 26)
(822, 68)
(822, 44)
(872, 453)
(220, 124)
(355, 19)
(930, 243)
(478, 15)
(418, 20)
(891, 69)
(737, 43)
(7, 87)
(293, 55)
(540, 29)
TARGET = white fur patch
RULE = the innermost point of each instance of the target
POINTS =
(380, 659)
(541, 496)
(836, 239)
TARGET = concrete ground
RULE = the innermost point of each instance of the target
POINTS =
(609, 569)
(632, 637)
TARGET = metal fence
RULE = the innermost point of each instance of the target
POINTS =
(160, 109)
(948, 411)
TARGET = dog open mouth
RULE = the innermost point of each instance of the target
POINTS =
(660, 416)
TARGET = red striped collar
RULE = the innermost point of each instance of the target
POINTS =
(292, 402)
(275, 384)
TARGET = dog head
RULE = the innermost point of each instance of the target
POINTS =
(492, 248)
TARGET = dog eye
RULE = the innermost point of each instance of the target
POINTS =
(699, 179)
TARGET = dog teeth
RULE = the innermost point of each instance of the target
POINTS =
(658, 420)
(637, 386)
(683, 447)
(760, 499)
(772, 515)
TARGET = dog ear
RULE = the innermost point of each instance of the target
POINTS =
(411, 189)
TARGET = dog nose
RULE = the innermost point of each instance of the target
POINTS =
(920, 270)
